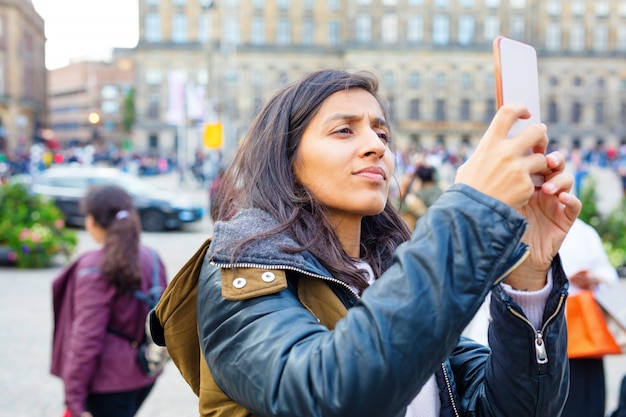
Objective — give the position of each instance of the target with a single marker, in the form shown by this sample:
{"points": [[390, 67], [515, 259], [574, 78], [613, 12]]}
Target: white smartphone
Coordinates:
{"points": [[517, 80]]}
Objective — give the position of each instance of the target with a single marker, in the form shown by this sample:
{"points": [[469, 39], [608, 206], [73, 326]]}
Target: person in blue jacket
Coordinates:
{"points": [[316, 300]]}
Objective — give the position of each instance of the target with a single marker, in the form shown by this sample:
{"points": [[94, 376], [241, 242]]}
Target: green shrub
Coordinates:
{"points": [[611, 227], [33, 228]]}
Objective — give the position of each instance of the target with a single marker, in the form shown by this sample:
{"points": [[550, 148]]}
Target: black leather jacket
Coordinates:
{"points": [[271, 355]]}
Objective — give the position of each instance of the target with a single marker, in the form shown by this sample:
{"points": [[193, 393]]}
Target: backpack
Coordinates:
{"points": [[174, 321], [151, 357]]}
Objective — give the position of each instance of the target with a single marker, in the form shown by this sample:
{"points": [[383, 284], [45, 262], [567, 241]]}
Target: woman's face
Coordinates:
{"points": [[344, 157]]}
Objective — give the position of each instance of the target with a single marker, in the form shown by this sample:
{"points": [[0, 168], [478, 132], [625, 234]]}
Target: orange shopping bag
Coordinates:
{"points": [[588, 335]]}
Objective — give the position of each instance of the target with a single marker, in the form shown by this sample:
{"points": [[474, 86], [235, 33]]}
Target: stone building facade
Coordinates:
{"points": [[22, 74], [433, 57]]}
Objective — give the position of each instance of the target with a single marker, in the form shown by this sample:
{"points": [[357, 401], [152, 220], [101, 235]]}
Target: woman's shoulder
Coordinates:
{"points": [[92, 258]]}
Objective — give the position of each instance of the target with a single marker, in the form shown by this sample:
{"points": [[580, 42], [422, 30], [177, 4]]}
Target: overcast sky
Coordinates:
{"points": [[86, 29]]}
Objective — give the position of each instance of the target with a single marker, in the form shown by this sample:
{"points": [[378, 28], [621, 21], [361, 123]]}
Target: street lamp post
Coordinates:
{"points": [[94, 119]]}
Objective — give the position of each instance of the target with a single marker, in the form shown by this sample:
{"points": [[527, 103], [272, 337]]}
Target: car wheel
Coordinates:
{"points": [[152, 221]]}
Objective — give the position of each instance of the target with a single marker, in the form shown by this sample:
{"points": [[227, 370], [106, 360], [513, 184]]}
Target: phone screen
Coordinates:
{"points": [[517, 79]]}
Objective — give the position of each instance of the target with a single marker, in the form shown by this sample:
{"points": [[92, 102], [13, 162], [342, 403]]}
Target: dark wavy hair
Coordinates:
{"points": [[113, 209], [261, 176]]}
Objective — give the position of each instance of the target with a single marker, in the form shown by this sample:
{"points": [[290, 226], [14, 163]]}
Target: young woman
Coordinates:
{"points": [[97, 312], [310, 304]]}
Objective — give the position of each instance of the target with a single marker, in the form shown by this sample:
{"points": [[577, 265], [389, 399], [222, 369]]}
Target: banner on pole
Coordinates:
{"points": [[212, 135]]}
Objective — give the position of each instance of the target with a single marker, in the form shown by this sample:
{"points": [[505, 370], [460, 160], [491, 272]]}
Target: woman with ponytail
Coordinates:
{"points": [[99, 320]]}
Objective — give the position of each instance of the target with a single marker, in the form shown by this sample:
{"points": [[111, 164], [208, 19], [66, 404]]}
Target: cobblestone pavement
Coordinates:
{"points": [[28, 390]]}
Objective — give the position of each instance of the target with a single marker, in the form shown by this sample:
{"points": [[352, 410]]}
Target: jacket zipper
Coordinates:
{"points": [[286, 267], [449, 389], [541, 354]]}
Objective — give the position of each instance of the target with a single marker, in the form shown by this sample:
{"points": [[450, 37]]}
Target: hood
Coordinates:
{"points": [[269, 250]]}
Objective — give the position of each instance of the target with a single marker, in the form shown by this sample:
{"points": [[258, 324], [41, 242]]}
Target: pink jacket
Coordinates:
{"points": [[88, 357]]}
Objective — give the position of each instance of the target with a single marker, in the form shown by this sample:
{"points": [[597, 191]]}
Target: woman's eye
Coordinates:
{"points": [[384, 136], [343, 130]]}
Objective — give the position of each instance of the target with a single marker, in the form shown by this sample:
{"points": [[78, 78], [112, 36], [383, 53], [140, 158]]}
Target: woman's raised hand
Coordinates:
{"points": [[501, 167]]}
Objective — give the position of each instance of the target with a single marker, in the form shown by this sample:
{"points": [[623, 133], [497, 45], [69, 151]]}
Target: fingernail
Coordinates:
{"points": [[552, 159], [550, 187]]}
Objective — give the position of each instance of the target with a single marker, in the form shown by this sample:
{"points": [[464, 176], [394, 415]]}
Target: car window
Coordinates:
{"points": [[70, 182]]}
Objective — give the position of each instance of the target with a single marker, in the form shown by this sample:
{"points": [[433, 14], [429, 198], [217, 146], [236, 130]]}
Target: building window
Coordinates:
{"points": [[622, 113], [553, 112], [414, 109], [363, 2], [602, 8], [179, 28], [283, 5], [203, 28], [553, 37], [109, 92], [231, 28], [553, 7], [577, 37], [440, 78], [577, 7], [517, 27], [283, 35], [154, 76], [178, 2], [153, 27], [492, 27], [441, 3], [390, 2], [621, 8], [621, 38], [466, 29], [391, 109], [553, 81], [363, 28], [466, 3], [466, 110], [390, 28], [389, 79], [333, 4], [492, 4], [599, 113], [307, 31], [309, 5], [466, 80], [415, 29], [577, 82], [441, 29], [258, 4], [258, 30], [282, 78], [518, 4], [153, 106], [440, 110], [414, 79], [416, 2], [490, 109], [576, 112], [152, 2], [2, 86], [334, 32], [600, 37]]}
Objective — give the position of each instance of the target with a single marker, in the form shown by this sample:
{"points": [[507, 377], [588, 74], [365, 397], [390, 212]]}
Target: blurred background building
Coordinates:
{"points": [[87, 103], [200, 61], [23, 84]]}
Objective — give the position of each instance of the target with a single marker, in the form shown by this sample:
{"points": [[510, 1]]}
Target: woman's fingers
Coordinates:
{"points": [[502, 122]]}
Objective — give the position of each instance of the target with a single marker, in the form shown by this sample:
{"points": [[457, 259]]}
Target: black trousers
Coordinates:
{"points": [[587, 390], [117, 404]]}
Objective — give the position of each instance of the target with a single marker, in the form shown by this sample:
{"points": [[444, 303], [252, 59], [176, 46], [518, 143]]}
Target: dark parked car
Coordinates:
{"points": [[158, 209]]}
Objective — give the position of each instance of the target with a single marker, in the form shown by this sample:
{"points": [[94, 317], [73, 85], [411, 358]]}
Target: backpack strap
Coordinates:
{"points": [[152, 296]]}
